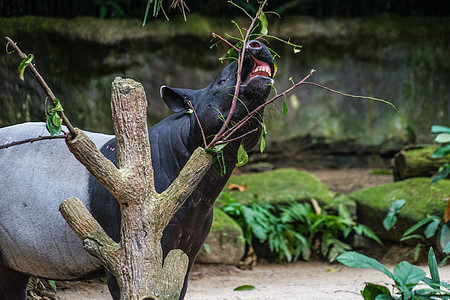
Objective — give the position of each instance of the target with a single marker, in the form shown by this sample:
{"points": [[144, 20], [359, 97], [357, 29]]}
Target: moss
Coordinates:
{"points": [[284, 185], [281, 185], [221, 222], [422, 198]]}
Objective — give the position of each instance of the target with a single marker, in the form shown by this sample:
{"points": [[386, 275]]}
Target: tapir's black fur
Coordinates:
{"points": [[172, 141]]}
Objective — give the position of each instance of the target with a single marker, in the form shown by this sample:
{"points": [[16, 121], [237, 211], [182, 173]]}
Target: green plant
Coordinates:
{"points": [[391, 217], [443, 137], [294, 230], [406, 279], [434, 227]]}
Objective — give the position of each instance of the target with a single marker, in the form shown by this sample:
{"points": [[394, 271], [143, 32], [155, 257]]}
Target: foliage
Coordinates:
{"points": [[406, 279], [38, 288], [53, 119], [294, 230], [432, 224], [391, 217], [443, 137]]}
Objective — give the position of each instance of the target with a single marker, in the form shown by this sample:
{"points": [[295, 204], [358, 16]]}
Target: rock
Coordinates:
{"points": [[284, 185], [225, 243], [417, 162], [422, 199]]}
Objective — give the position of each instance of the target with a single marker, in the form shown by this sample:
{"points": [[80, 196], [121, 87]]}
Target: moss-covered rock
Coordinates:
{"points": [[284, 185], [225, 243], [422, 199]]}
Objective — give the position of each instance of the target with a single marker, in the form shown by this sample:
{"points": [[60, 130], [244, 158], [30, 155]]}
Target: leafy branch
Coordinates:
{"points": [[258, 29], [55, 115]]}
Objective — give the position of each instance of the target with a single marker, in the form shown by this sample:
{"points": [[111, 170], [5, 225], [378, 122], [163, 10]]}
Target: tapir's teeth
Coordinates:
{"points": [[264, 69]]}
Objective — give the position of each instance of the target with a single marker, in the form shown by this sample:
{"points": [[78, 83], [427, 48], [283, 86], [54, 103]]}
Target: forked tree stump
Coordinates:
{"points": [[137, 260]]}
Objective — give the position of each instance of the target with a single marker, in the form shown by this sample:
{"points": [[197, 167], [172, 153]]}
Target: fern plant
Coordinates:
{"points": [[294, 230]]}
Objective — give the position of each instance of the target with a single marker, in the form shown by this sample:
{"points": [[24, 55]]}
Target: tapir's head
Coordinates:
{"points": [[214, 101]]}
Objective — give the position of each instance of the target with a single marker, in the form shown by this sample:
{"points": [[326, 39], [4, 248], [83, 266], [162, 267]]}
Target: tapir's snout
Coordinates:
{"points": [[258, 61]]}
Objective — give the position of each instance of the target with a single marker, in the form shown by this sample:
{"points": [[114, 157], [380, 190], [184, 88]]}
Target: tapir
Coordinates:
{"points": [[36, 177]]}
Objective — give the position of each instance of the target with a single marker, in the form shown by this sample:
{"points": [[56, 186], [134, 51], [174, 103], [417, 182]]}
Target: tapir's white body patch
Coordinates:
{"points": [[48, 247]]}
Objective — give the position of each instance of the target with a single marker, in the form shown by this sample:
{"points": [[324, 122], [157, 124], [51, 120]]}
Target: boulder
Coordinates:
{"points": [[225, 243], [422, 200]]}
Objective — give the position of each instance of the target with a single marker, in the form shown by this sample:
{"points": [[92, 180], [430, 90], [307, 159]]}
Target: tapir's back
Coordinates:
{"points": [[34, 179]]}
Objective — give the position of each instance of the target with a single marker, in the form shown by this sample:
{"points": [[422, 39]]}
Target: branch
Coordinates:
{"points": [[129, 111], [350, 95], [226, 41], [32, 140], [238, 79], [183, 186], [96, 240], [100, 167], [241, 122], [198, 122], [43, 84]]}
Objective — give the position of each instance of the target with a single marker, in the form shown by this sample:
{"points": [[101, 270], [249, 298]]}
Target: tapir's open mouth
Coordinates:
{"points": [[260, 68], [258, 64]]}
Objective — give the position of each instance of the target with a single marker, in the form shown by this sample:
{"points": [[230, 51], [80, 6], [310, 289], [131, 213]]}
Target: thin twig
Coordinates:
{"points": [[226, 41], [43, 84], [198, 122], [40, 138], [233, 129], [236, 138], [220, 134], [350, 95]]}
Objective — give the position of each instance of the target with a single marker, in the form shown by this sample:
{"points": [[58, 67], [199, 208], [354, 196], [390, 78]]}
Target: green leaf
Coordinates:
{"points": [[371, 291], [418, 225], [23, 65], [242, 156], [442, 138], [441, 151], [297, 50], [52, 284], [413, 236], [439, 129], [398, 204], [245, 287], [53, 128], [446, 248], [218, 159], [56, 120], [264, 23], [440, 176], [285, 108], [432, 264], [391, 217], [103, 11], [444, 239], [207, 247], [356, 260], [432, 228], [262, 144], [389, 221], [405, 274], [368, 232], [58, 106]]}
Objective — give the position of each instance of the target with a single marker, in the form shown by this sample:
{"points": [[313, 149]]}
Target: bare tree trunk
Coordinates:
{"points": [[137, 260]]}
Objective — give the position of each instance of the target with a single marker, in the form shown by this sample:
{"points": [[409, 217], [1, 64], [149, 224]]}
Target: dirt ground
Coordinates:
{"points": [[302, 280]]}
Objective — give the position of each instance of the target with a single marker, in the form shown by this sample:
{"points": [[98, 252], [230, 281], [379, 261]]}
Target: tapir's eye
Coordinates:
{"points": [[221, 81]]}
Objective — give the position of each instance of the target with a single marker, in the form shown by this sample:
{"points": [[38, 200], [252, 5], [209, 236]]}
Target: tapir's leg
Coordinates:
{"points": [[112, 286], [13, 285]]}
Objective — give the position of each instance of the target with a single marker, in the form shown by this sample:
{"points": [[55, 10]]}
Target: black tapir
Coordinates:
{"points": [[36, 177]]}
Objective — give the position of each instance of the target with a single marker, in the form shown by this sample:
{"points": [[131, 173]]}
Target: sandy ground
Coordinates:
{"points": [[302, 280]]}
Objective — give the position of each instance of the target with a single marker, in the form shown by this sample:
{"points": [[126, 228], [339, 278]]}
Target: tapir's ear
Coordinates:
{"points": [[176, 99]]}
